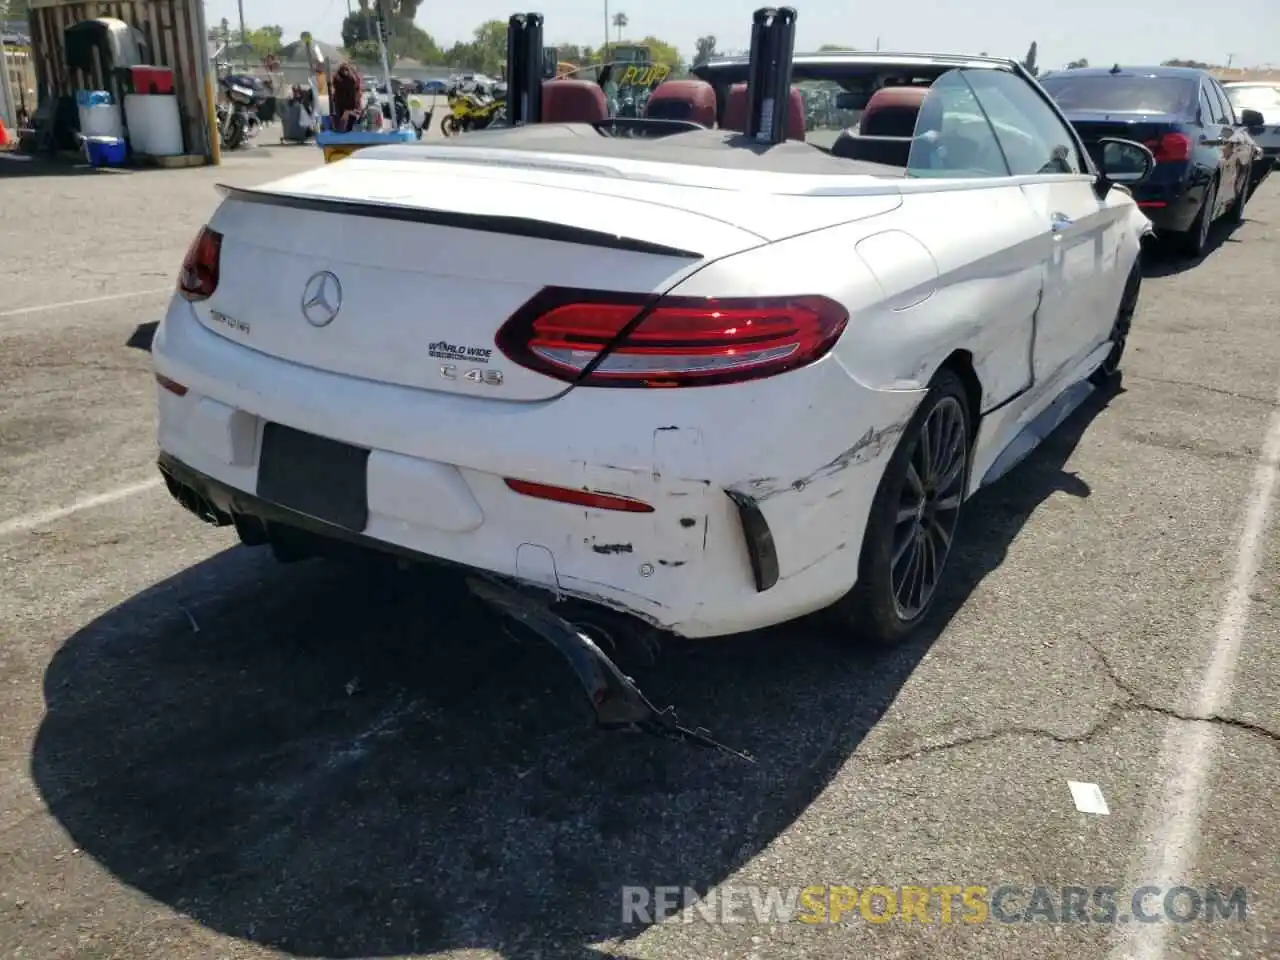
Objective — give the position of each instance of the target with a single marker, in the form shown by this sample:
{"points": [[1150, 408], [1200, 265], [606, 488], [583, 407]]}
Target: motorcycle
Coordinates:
{"points": [[237, 113], [472, 111], [626, 106]]}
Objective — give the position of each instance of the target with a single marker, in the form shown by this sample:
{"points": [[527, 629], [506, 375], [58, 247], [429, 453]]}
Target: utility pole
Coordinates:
{"points": [[604, 51], [1230, 57], [205, 78], [9, 111], [244, 38]]}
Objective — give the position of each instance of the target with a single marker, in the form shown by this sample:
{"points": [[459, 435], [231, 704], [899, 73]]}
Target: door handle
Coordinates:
{"points": [[1058, 222]]}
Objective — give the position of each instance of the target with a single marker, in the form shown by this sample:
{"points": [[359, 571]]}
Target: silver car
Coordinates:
{"points": [[1265, 98]]}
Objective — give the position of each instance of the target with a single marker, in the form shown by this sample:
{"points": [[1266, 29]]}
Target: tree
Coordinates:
{"points": [[662, 52], [706, 49], [1078, 64], [265, 41], [360, 38], [1030, 61], [1197, 64], [569, 53], [366, 52], [485, 53], [834, 47], [620, 21]]}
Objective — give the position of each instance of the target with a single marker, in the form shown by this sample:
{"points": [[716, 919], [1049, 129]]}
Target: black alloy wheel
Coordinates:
{"points": [[1120, 328], [912, 525]]}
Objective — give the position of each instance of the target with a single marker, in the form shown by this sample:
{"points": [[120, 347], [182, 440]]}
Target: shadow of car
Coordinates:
{"points": [[354, 764]]}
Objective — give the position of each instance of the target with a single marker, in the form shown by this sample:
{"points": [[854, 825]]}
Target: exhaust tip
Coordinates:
{"points": [[195, 502]]}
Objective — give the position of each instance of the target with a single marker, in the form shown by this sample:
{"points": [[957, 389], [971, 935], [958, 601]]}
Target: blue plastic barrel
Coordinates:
{"points": [[93, 98]]}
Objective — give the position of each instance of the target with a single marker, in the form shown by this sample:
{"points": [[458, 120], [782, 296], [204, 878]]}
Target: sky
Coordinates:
{"points": [[1103, 31]]}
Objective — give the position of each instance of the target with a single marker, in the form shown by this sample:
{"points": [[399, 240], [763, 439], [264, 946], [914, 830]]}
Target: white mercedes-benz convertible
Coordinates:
{"points": [[677, 366]]}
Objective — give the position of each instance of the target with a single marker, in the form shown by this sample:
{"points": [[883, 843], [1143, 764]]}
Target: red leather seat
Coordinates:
{"points": [[735, 112], [892, 112], [573, 101], [692, 100]]}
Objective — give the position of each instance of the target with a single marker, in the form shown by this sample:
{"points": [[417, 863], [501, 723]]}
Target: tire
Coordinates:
{"points": [[449, 126], [1110, 368], [1194, 241], [883, 607], [235, 134]]}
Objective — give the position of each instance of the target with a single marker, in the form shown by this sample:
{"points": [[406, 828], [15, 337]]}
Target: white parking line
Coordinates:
{"points": [[1188, 748], [33, 520], [23, 311]]}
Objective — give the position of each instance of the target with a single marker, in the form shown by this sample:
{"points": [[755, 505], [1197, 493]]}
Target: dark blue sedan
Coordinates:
{"points": [[1202, 148]]}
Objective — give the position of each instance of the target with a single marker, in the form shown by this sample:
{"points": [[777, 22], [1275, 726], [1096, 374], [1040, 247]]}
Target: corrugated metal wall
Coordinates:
{"points": [[172, 30]]}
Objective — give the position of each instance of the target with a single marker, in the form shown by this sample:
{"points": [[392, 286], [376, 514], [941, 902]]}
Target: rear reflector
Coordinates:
{"points": [[602, 339], [1170, 148], [198, 278], [173, 386], [579, 498]]}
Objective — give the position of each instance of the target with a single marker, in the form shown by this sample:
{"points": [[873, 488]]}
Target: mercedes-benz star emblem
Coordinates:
{"points": [[321, 299]]}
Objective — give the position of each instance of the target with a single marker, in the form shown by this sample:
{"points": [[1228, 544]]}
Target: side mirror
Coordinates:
{"points": [[1125, 161], [1252, 119]]}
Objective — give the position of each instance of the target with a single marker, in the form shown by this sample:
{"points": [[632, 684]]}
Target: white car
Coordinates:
{"points": [[710, 383], [1264, 98]]}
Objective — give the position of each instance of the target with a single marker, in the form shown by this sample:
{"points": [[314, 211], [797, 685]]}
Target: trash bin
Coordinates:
{"points": [[297, 123]]}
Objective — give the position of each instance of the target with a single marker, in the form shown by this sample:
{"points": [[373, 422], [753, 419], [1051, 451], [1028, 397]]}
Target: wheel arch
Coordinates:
{"points": [[960, 362]]}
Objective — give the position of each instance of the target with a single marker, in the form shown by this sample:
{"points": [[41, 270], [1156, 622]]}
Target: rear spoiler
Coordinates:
{"points": [[484, 223]]}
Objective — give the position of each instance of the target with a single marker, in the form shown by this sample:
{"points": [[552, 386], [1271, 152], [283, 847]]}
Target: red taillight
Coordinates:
{"points": [[199, 276], [579, 498], [592, 338], [1171, 148]]}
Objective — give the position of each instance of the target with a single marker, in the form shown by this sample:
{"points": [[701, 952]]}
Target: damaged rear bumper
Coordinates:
{"points": [[760, 491], [617, 703]]}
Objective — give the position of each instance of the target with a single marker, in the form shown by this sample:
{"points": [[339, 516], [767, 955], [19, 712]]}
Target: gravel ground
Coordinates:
{"points": [[204, 755]]}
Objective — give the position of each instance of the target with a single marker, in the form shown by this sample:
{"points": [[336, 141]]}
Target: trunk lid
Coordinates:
{"points": [[1093, 125], [403, 272]]}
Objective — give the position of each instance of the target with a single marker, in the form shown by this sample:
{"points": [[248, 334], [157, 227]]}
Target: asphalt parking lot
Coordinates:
{"points": [[205, 755]]}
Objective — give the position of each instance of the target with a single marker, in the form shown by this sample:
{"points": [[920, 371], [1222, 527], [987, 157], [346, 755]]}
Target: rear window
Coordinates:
{"points": [[1119, 94], [1266, 100]]}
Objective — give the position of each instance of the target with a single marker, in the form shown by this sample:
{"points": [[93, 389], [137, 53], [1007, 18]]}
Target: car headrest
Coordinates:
{"points": [[692, 100], [892, 112], [573, 101], [735, 112]]}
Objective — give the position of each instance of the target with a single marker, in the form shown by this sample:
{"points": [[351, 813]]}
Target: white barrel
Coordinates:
{"points": [[102, 120], [155, 126]]}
